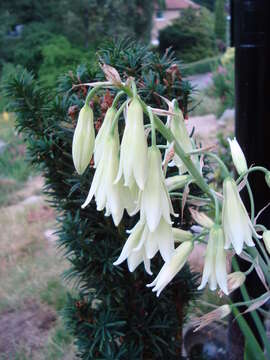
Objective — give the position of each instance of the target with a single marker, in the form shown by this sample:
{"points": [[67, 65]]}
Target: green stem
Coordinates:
{"points": [[91, 93], [216, 209], [190, 196], [153, 128], [260, 226], [117, 98], [220, 162], [255, 316], [256, 255], [255, 168], [249, 302], [250, 269], [254, 346], [117, 115], [134, 88], [251, 199], [266, 256]]}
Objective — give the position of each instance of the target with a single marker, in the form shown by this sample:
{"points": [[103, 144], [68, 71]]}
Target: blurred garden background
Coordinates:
{"points": [[50, 39]]}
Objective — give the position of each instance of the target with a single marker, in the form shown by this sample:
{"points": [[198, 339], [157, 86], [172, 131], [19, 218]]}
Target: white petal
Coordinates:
{"points": [[209, 263], [147, 264], [131, 243], [165, 240], [135, 259], [220, 265]]}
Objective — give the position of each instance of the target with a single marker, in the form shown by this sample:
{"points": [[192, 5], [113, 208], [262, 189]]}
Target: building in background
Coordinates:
{"points": [[163, 18]]}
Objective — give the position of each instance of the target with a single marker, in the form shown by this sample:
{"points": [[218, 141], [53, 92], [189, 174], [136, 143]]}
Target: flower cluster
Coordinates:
{"points": [[130, 176]]}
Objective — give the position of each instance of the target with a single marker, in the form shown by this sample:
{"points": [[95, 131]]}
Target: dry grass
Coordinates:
{"points": [[31, 267]]}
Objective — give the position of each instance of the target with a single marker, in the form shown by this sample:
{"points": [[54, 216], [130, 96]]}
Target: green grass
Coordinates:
{"points": [[201, 67], [30, 269], [54, 294], [204, 104], [14, 170]]}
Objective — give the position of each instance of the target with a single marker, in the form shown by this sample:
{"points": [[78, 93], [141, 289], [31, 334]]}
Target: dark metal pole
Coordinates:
{"points": [[252, 90], [251, 38]]}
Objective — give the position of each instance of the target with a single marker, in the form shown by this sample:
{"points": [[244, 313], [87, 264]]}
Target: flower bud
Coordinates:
{"points": [[238, 156], [177, 182], [180, 235], [111, 74], [266, 240], [267, 178], [83, 140], [235, 280], [214, 315], [201, 218]]}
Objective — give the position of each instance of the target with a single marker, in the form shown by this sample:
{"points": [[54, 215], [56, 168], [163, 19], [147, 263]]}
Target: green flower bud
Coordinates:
{"points": [[83, 140]]}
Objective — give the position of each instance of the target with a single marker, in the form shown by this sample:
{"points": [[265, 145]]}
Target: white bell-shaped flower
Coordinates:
{"points": [[83, 139], [142, 240], [133, 252], [170, 269], [133, 155], [179, 130], [214, 271], [103, 134], [108, 195], [238, 157], [155, 201], [237, 225]]}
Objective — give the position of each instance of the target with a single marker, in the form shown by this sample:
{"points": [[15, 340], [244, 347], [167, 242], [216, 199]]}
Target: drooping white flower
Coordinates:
{"points": [[133, 156], [142, 241], [132, 252], [170, 269], [237, 225], [103, 134], [179, 130], [238, 157], [214, 271], [108, 195], [83, 139], [155, 201]]}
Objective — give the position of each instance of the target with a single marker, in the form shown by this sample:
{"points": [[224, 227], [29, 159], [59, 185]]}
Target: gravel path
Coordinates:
{"points": [[201, 81]]}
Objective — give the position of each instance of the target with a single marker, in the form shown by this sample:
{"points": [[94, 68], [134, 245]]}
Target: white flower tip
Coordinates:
{"points": [[118, 262]]}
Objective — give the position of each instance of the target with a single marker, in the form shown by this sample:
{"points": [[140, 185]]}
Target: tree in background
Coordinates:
{"points": [[191, 35], [28, 27], [220, 21], [113, 315], [90, 21]]}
